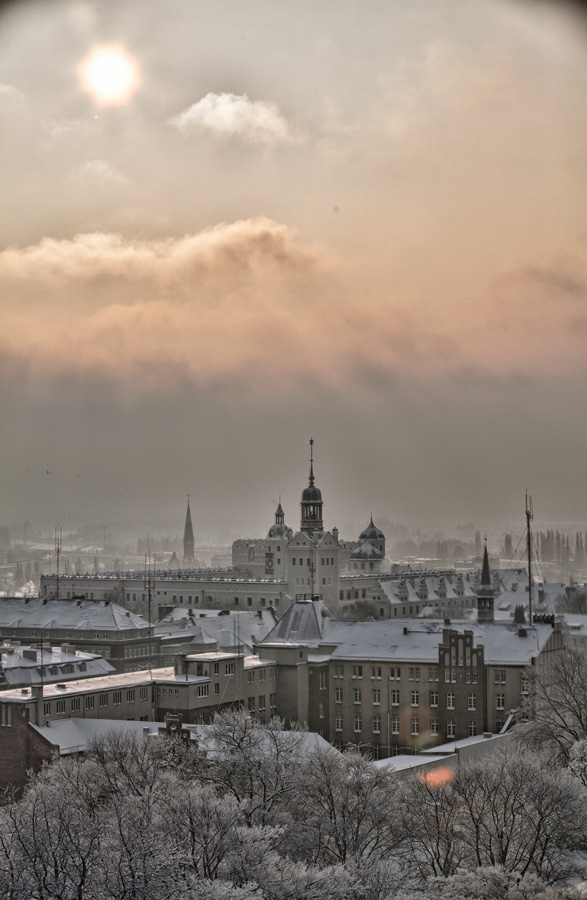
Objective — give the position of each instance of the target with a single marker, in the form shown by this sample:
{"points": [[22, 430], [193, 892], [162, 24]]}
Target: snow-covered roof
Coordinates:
{"points": [[74, 735], [22, 665], [406, 640], [75, 615]]}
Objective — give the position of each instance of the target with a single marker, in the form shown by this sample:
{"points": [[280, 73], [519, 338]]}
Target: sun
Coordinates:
{"points": [[109, 74]]}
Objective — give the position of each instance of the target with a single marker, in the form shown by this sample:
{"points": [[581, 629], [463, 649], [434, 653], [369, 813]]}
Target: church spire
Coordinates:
{"points": [[188, 537], [485, 592], [311, 462], [485, 575]]}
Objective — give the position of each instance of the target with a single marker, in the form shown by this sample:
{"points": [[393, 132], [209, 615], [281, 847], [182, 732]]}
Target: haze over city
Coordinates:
{"points": [[364, 223]]}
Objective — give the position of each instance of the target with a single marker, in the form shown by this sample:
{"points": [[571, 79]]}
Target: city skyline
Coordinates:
{"points": [[363, 226]]}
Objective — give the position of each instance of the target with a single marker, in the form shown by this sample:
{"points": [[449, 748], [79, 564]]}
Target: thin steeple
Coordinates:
{"points": [[485, 574], [188, 536], [311, 461]]}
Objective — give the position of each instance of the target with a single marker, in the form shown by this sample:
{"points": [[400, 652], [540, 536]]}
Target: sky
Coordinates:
{"points": [[360, 222]]}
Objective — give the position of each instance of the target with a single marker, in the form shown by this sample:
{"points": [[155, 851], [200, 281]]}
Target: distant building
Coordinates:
{"points": [[98, 627], [270, 572], [22, 666]]}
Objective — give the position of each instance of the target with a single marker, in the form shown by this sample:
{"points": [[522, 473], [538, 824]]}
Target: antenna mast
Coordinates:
{"points": [[149, 582], [529, 517], [58, 555]]}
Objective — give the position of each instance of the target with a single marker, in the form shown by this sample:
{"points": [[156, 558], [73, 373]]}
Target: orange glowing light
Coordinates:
{"points": [[437, 777], [109, 74]]}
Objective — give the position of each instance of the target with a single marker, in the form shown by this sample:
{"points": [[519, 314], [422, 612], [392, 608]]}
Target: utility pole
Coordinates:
{"points": [[58, 555], [529, 517]]}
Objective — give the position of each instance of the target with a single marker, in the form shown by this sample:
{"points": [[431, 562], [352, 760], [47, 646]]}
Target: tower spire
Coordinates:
{"points": [[485, 592], [311, 502], [188, 537]]}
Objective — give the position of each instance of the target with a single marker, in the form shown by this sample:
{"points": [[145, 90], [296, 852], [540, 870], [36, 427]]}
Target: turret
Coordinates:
{"points": [[485, 593], [311, 502]]}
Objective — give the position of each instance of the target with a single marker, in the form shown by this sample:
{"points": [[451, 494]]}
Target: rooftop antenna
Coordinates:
{"points": [[58, 555], [149, 584], [529, 517]]}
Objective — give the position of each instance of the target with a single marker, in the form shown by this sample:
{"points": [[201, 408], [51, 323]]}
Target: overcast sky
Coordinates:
{"points": [[360, 221]]}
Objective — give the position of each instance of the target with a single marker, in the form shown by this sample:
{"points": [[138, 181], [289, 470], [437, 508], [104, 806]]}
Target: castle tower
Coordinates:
{"points": [[485, 593], [280, 529], [311, 502], [188, 537]]}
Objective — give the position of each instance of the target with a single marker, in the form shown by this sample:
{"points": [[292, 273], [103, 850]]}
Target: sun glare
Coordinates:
{"points": [[109, 74]]}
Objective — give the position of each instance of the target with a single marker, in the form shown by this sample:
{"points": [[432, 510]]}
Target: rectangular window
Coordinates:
{"points": [[474, 674], [376, 672], [432, 673], [251, 704], [338, 722], [434, 725], [338, 670], [357, 696], [358, 723], [203, 690], [117, 697], [395, 724], [376, 696], [130, 696], [472, 701], [433, 699], [144, 693], [376, 724], [499, 676], [60, 706], [357, 672], [447, 676], [103, 700], [414, 673], [395, 698], [250, 677], [524, 684], [415, 698], [262, 674], [216, 668], [90, 701], [273, 700], [395, 673], [322, 681], [321, 711], [450, 700], [500, 701], [453, 676], [75, 704], [46, 709], [415, 725], [467, 676], [229, 668], [338, 695], [216, 689], [472, 728], [451, 728], [262, 703]]}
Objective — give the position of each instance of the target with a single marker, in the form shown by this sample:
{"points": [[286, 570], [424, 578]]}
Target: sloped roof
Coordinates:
{"points": [[75, 615], [302, 623], [410, 640]]}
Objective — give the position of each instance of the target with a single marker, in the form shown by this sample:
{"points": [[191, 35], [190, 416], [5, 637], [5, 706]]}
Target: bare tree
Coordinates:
{"points": [[556, 705], [343, 808]]}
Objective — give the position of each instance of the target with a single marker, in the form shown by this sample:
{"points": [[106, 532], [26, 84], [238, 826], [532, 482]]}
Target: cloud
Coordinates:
{"points": [[248, 305], [231, 115], [100, 171]]}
